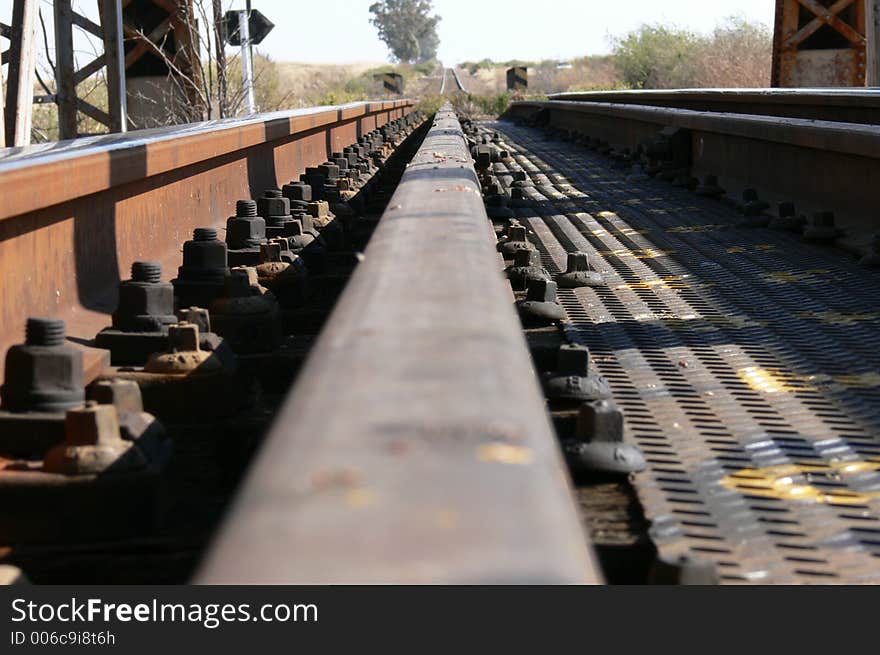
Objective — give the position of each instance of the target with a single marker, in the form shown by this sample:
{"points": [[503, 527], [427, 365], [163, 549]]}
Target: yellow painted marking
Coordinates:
{"points": [[689, 229], [767, 381], [761, 247], [837, 318], [775, 381], [859, 381], [794, 482], [628, 231], [502, 453], [812, 276], [647, 253]]}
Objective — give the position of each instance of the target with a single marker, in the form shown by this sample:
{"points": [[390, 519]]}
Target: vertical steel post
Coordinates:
{"points": [[114, 56], [247, 62], [872, 20]]}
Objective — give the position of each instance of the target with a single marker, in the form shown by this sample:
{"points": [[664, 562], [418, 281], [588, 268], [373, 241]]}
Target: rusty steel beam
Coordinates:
{"points": [[820, 44], [840, 105], [820, 165], [75, 215], [432, 460]]}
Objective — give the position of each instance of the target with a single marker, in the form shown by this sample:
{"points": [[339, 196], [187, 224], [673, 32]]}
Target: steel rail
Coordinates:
{"points": [[84, 210], [415, 447], [822, 165], [458, 82], [840, 105]]}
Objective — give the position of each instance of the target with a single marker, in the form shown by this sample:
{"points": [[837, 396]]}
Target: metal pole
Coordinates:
{"points": [[247, 63], [872, 25], [114, 56]]}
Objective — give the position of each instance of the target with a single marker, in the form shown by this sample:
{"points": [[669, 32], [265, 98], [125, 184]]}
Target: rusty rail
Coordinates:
{"points": [[839, 105], [76, 214], [820, 165], [415, 446]]}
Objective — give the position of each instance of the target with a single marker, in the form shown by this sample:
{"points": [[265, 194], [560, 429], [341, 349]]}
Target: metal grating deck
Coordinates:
{"points": [[747, 363]]}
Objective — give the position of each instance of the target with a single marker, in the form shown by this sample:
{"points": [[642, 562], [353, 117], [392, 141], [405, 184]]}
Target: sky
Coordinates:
{"points": [[339, 31], [497, 29]]}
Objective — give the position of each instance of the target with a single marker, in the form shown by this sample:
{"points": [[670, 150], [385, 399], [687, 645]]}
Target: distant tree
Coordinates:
{"points": [[407, 28]]}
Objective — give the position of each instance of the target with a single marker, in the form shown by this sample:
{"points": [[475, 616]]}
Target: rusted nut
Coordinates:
{"points": [[540, 306], [184, 355], [247, 315], [598, 446], [44, 374], [93, 485], [244, 233], [188, 383], [525, 268], [141, 320], [288, 281], [787, 218], [579, 273], [482, 156], [93, 444], [572, 379], [134, 423], [683, 570], [515, 241], [200, 279], [821, 228], [709, 188]]}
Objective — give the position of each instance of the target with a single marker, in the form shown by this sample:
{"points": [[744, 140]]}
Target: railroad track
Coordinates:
{"points": [[665, 389]]}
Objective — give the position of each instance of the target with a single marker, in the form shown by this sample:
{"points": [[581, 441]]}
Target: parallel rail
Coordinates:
{"points": [[839, 105], [434, 459], [82, 211], [820, 165]]}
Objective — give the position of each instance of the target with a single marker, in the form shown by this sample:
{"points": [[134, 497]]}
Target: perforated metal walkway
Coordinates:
{"points": [[746, 360]]}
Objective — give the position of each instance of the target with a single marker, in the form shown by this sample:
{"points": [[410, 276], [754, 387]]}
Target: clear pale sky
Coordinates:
{"points": [[498, 29], [339, 30]]}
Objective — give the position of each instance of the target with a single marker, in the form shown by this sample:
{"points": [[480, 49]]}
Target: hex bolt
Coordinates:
{"points": [[124, 395], [183, 337], [93, 444], [579, 273], [270, 252], [821, 228], [149, 272], [540, 306], [205, 234], [244, 233], [787, 218], [526, 267], [199, 316], [44, 374], [598, 446], [245, 208], [515, 240], [44, 332], [572, 378], [200, 278]]}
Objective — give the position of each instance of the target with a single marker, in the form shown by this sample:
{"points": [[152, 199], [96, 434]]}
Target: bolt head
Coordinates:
{"points": [[183, 337], [124, 395], [573, 359], [541, 291], [600, 420], [91, 425]]}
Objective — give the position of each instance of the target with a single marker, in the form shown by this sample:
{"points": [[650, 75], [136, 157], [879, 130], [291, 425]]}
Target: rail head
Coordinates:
{"points": [[845, 138], [415, 447], [39, 176]]}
